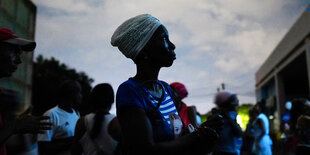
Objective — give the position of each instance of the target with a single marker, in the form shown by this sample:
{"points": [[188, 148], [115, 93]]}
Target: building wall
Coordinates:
{"points": [[20, 17], [287, 68]]}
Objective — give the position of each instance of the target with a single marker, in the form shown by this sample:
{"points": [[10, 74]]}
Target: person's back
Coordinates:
{"points": [[98, 132], [103, 142], [230, 142]]}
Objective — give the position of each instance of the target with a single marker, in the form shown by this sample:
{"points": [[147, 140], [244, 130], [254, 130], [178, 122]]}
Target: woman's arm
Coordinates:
{"points": [[138, 136], [262, 127], [80, 129], [115, 129]]}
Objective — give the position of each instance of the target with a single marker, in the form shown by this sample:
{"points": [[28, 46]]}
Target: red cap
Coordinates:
{"points": [[180, 89], [7, 36]]}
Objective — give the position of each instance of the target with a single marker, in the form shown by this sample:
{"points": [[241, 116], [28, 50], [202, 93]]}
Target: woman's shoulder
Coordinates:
{"points": [[129, 94], [262, 116], [128, 84]]}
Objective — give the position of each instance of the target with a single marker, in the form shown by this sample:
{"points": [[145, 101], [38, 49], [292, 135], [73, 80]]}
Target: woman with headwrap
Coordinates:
{"points": [[148, 118]]}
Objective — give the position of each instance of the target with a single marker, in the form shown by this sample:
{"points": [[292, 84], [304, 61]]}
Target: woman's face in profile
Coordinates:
{"points": [[159, 49]]}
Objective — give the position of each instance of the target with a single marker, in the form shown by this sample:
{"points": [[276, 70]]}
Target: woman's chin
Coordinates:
{"points": [[168, 64]]}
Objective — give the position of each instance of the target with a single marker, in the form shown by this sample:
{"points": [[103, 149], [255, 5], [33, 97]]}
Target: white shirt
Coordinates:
{"points": [[104, 141], [63, 124]]}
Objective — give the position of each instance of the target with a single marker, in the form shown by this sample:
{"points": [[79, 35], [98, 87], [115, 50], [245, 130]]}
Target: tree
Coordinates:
{"points": [[48, 75]]}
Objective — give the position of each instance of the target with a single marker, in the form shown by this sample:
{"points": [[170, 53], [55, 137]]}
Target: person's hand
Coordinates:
{"points": [[215, 122], [32, 124], [208, 132], [210, 129]]}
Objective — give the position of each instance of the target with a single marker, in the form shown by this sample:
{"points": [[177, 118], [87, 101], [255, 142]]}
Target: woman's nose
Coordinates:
{"points": [[171, 46]]}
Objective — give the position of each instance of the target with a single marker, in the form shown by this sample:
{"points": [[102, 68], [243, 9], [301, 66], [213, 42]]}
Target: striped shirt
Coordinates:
{"points": [[131, 93], [166, 107]]}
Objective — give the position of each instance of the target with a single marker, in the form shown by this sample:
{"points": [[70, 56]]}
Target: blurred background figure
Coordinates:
{"points": [[248, 136], [262, 141], [300, 106], [59, 139], [187, 113], [303, 133], [231, 135], [99, 131]]}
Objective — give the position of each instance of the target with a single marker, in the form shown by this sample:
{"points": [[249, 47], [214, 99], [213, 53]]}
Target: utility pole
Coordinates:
{"points": [[223, 86]]}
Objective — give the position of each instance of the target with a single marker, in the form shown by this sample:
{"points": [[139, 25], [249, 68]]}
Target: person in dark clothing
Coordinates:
{"points": [[231, 136]]}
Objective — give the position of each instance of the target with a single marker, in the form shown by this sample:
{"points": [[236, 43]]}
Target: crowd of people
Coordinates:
{"points": [[151, 118]]}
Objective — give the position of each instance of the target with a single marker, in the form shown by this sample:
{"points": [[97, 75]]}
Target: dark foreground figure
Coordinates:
{"points": [[11, 47]]}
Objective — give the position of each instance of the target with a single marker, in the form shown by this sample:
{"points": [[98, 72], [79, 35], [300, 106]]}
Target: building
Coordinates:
{"points": [[20, 17], [285, 74]]}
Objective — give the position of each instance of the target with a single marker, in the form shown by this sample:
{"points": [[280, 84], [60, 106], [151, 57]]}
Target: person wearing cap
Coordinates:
{"points": [[148, 118], [187, 113], [11, 47], [231, 135]]}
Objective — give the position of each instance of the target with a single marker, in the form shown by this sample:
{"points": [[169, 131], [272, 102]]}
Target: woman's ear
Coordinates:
{"points": [[141, 56]]}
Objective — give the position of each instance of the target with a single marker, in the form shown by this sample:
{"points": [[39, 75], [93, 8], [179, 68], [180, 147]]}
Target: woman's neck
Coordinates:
{"points": [[145, 72]]}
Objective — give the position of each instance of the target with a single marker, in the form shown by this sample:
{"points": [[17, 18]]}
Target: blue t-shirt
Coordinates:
{"points": [[131, 93]]}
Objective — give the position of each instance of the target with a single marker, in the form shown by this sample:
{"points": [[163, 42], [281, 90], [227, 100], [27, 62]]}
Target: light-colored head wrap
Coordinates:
{"points": [[131, 36]]}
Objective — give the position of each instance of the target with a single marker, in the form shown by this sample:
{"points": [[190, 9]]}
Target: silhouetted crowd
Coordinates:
{"points": [[151, 118]]}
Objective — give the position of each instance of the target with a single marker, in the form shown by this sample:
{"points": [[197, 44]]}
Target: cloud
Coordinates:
{"points": [[217, 40]]}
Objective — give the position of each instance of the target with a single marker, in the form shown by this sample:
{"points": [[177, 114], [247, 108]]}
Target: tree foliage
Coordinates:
{"points": [[48, 75]]}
